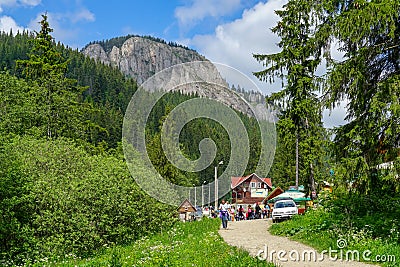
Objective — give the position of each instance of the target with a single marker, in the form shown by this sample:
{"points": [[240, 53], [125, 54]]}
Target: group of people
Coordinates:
{"points": [[227, 212]]}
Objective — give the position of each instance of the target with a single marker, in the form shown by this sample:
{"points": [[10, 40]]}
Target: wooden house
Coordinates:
{"points": [[249, 189], [185, 209]]}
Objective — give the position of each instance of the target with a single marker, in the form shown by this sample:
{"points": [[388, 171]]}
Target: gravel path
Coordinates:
{"points": [[254, 237]]}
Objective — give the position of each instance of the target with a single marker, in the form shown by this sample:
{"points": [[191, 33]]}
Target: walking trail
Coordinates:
{"points": [[253, 236]]}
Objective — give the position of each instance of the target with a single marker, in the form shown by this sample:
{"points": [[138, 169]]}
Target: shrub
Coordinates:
{"points": [[365, 222], [57, 200]]}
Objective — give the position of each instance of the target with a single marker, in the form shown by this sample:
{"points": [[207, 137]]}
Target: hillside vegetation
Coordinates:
{"points": [[359, 159], [58, 199], [65, 189], [185, 244]]}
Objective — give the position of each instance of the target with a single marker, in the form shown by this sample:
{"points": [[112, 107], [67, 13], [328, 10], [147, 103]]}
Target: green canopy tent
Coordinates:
{"points": [[296, 195]]}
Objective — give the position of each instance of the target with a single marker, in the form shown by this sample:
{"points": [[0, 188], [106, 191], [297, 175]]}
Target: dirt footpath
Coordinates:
{"points": [[254, 237]]}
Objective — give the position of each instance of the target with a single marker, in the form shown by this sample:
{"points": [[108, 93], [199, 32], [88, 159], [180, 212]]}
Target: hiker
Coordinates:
{"points": [[223, 209], [240, 213], [257, 214], [250, 213], [232, 212], [267, 210]]}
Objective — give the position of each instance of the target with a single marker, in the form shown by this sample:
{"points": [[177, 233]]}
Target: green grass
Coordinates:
{"points": [[187, 244], [322, 230]]}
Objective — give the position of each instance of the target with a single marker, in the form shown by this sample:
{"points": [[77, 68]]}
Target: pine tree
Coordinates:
{"points": [[300, 108], [44, 59], [47, 68], [368, 77]]}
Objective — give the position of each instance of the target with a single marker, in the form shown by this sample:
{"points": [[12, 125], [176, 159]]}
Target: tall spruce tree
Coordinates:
{"points": [[367, 77], [44, 59], [300, 129], [368, 33], [59, 96]]}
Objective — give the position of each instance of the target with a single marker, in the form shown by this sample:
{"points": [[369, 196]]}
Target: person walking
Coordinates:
{"points": [[250, 213], [233, 213], [267, 210], [223, 209], [257, 209], [240, 213]]}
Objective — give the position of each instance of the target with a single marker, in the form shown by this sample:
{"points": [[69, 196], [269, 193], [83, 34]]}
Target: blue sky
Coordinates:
{"points": [[224, 31], [77, 22]]}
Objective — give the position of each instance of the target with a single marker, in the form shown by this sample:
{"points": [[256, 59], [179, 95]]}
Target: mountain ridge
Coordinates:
{"points": [[141, 57], [118, 42]]}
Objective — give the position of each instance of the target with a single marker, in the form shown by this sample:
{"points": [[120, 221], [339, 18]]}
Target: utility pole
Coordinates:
{"points": [[195, 200], [297, 161], [209, 194], [202, 194], [216, 184]]}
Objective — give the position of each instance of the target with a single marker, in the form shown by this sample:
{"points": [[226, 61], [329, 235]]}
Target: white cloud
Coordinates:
{"points": [[8, 23], [30, 2], [199, 9], [60, 33], [62, 24], [11, 3], [6, 3], [235, 43], [81, 15], [335, 117]]}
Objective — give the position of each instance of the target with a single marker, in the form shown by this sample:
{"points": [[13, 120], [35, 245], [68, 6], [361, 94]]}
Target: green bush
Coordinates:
{"points": [[365, 222], [57, 200]]}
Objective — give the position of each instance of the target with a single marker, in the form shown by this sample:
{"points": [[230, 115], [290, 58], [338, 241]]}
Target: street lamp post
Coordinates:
{"points": [[195, 200], [216, 184], [202, 194], [209, 194]]}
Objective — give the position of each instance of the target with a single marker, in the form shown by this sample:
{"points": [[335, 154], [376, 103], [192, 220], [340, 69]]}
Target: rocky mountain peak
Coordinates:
{"points": [[140, 57]]}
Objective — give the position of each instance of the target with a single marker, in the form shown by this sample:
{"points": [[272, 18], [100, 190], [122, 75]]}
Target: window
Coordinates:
{"points": [[253, 185], [259, 185]]}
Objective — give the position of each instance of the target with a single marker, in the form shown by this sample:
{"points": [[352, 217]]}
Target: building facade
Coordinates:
{"points": [[249, 189]]}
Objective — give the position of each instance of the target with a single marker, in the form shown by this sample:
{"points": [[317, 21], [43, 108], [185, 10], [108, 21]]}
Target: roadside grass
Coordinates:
{"points": [[186, 244], [323, 231]]}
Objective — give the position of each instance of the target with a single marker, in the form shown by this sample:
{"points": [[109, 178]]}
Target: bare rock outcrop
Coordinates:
{"points": [[141, 58]]}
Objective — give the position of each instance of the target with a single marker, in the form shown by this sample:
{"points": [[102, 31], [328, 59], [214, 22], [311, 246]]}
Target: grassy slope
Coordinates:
{"points": [[322, 230], [187, 244]]}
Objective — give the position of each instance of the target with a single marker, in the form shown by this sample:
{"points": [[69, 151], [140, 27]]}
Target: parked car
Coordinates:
{"points": [[284, 209], [206, 212], [197, 215]]}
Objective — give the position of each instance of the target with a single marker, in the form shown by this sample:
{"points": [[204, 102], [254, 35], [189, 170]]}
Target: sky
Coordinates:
{"points": [[224, 31]]}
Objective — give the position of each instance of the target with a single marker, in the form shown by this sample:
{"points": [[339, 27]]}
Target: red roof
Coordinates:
{"points": [[277, 191], [236, 181]]}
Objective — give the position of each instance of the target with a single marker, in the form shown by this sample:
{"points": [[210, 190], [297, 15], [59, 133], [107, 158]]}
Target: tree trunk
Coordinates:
{"points": [[297, 160], [311, 178]]}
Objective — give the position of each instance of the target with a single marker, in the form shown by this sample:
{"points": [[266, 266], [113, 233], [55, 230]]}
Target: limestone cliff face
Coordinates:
{"points": [[141, 58]]}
